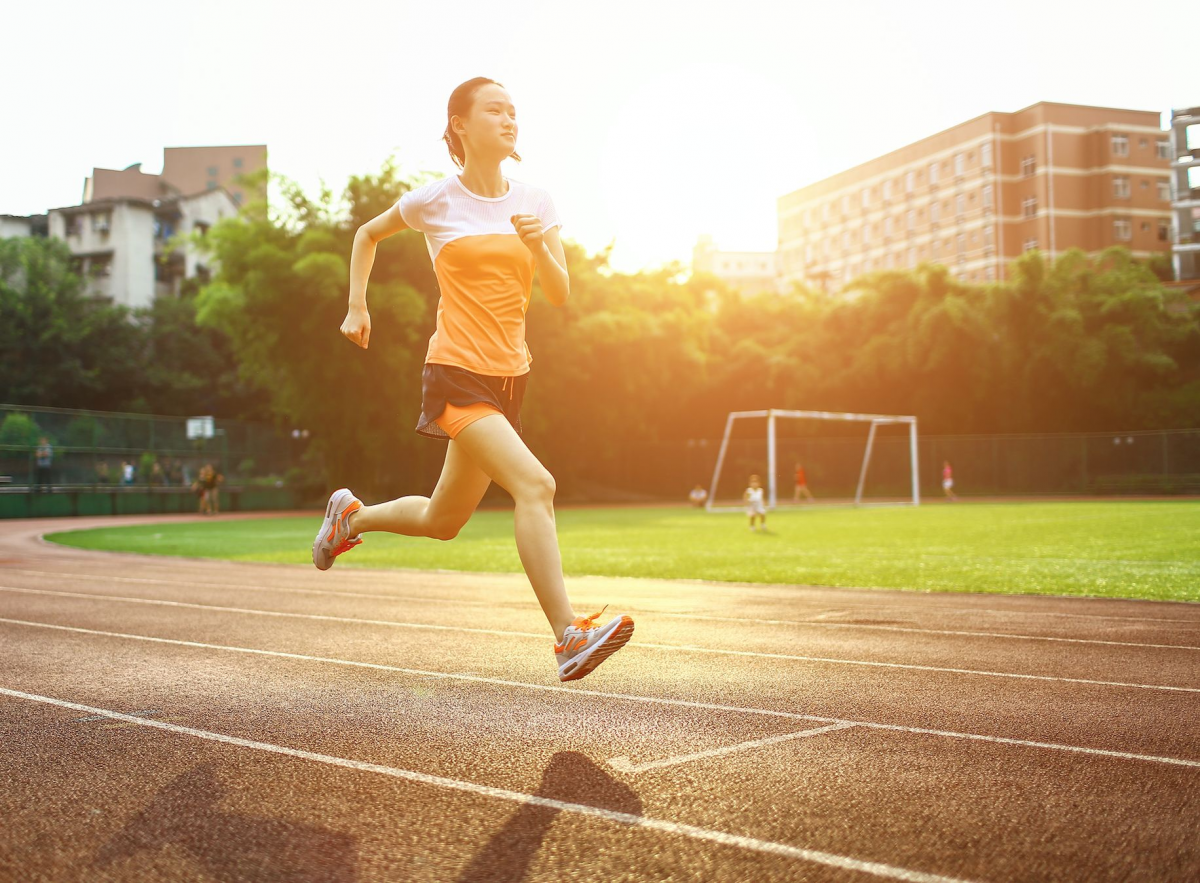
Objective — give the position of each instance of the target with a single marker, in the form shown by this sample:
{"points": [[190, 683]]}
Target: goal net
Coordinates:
{"points": [[737, 459]]}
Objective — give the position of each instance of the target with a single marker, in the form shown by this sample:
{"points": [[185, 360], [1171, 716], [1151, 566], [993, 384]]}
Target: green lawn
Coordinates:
{"points": [[1117, 549]]}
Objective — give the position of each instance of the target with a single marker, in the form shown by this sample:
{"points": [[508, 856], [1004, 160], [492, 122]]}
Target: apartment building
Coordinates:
{"points": [[185, 170], [750, 272], [121, 243], [1185, 193], [975, 196]]}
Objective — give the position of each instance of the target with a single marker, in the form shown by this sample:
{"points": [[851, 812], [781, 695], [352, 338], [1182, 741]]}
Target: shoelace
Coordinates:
{"points": [[346, 546], [589, 622]]}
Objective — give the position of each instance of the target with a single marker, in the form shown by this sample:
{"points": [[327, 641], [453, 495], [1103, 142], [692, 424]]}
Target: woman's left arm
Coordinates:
{"points": [[549, 256]]}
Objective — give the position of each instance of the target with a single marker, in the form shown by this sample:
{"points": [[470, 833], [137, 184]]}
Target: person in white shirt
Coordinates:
{"points": [[755, 505]]}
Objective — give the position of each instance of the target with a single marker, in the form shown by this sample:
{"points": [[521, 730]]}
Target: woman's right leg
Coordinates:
{"points": [[460, 487]]}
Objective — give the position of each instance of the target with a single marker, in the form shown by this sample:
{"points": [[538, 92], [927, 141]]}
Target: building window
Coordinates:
{"points": [[1122, 230], [909, 179], [825, 212], [887, 190], [989, 273], [988, 232], [1164, 231], [1120, 145], [1164, 149], [933, 212], [237, 197], [212, 185], [887, 226], [1120, 187], [1143, 184], [959, 164], [237, 162], [866, 235], [985, 154], [1145, 226], [912, 257], [846, 241], [1029, 207], [845, 204], [1164, 191], [933, 249], [212, 171], [987, 196], [911, 219], [101, 221], [1028, 166], [1029, 245], [960, 205], [933, 173], [961, 241], [866, 197]]}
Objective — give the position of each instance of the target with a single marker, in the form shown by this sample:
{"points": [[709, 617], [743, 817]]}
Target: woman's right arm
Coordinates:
{"points": [[357, 325]]}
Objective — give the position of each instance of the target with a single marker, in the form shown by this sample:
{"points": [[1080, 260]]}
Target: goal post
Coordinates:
{"points": [[772, 414]]}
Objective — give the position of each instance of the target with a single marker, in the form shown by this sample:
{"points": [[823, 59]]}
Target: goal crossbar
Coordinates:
{"points": [[876, 420]]}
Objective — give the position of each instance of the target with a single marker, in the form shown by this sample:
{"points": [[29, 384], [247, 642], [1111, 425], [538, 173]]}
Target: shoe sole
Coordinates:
{"points": [[322, 547], [599, 652]]}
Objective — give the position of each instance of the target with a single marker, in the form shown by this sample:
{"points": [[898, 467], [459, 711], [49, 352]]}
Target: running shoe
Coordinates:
{"points": [[334, 536], [585, 645]]}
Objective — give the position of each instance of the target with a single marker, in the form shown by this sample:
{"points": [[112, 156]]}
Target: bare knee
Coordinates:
{"points": [[444, 528], [537, 488]]}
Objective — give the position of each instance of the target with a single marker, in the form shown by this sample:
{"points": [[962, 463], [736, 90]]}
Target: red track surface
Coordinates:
{"points": [[410, 726]]}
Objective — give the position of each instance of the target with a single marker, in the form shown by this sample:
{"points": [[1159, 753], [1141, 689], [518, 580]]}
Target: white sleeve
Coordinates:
{"points": [[548, 213], [411, 207]]}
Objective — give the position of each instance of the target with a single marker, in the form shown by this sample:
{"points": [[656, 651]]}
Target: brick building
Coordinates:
{"points": [[1051, 177]]}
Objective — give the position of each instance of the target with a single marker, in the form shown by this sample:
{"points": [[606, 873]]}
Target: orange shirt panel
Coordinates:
{"points": [[486, 282]]}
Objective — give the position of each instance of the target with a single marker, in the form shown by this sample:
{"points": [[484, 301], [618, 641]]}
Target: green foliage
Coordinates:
{"points": [[86, 432], [20, 430]]}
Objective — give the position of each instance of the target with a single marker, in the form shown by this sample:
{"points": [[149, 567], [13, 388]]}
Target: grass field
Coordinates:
{"points": [[1116, 549]]}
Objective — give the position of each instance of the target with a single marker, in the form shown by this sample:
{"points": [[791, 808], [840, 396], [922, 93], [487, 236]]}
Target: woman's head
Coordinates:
{"points": [[481, 119]]}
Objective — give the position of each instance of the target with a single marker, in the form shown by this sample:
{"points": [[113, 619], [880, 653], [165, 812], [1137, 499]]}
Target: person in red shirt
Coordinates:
{"points": [[801, 486], [948, 481]]}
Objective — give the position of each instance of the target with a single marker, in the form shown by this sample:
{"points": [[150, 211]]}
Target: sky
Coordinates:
{"points": [[649, 123]]}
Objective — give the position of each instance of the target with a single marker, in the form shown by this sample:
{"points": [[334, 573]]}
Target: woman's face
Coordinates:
{"points": [[491, 127]]}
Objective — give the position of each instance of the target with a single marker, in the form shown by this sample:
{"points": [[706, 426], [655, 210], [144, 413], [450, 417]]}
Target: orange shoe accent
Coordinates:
{"points": [[337, 522], [345, 547]]}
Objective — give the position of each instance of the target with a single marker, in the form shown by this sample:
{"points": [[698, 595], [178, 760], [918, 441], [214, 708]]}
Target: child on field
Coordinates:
{"points": [[755, 506]]}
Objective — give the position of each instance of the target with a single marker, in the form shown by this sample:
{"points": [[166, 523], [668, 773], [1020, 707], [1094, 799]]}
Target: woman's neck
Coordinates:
{"points": [[483, 181]]}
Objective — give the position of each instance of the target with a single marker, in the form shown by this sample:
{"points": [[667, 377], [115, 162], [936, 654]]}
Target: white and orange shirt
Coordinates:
{"points": [[483, 269]]}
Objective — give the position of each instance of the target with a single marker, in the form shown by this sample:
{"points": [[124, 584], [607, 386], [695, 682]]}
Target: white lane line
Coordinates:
{"points": [[873, 609], [842, 862], [626, 697], [623, 763], [687, 648], [290, 590]]}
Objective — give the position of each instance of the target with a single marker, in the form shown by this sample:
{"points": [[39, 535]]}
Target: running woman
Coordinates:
{"points": [[948, 481], [801, 485], [487, 235]]}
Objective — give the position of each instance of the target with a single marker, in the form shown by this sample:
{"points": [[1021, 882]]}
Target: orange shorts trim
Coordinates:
{"points": [[456, 418]]}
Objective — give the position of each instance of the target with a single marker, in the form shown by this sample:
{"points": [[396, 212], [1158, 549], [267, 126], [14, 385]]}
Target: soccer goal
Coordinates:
{"points": [[773, 415]]}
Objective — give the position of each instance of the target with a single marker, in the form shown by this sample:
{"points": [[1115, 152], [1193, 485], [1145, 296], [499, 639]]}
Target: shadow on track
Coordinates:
{"points": [[572, 778], [186, 814]]}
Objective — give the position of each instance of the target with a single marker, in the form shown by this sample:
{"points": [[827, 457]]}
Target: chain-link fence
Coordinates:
{"points": [[1142, 462], [46, 448]]}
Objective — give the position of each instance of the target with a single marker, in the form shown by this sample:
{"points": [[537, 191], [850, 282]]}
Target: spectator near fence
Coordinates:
{"points": [[126, 472], [43, 458], [102, 474]]}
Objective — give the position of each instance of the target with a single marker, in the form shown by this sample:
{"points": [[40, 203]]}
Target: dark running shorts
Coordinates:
{"points": [[442, 384]]}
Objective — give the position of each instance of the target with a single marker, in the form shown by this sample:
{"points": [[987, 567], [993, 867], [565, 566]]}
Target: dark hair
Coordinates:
{"points": [[460, 103]]}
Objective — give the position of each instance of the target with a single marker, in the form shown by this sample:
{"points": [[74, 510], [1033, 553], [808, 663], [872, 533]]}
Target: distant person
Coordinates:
{"points": [[127, 472], [755, 506], [102, 474], [948, 481], [157, 477], [698, 496], [200, 488], [212, 484], [43, 458], [801, 486], [175, 473]]}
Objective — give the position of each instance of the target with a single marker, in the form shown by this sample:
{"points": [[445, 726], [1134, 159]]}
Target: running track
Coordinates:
{"points": [[176, 719]]}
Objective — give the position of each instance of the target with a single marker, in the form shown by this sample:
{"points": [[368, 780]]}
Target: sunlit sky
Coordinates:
{"points": [[649, 122]]}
